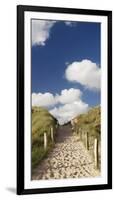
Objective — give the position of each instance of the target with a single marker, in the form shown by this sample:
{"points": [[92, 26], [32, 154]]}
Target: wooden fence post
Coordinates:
{"points": [[96, 153], [52, 134], [86, 140], [45, 140], [56, 126], [80, 132], [77, 131]]}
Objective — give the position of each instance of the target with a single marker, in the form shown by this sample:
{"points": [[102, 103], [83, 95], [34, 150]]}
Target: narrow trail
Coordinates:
{"points": [[68, 159]]}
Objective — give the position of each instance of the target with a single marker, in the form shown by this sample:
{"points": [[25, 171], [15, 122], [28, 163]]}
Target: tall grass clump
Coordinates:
{"points": [[42, 121]]}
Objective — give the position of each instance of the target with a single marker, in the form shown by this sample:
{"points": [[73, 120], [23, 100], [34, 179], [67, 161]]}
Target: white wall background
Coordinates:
{"points": [[8, 98]]}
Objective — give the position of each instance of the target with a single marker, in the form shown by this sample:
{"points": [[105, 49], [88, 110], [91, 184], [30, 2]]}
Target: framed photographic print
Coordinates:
{"points": [[64, 99]]}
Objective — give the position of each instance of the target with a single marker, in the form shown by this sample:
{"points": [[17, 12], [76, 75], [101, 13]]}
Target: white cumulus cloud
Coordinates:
{"points": [[70, 23], [64, 106], [84, 72], [41, 31], [39, 99], [65, 113], [69, 96]]}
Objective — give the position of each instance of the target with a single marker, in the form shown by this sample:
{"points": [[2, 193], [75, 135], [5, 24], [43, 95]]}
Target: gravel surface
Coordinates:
{"points": [[68, 159]]}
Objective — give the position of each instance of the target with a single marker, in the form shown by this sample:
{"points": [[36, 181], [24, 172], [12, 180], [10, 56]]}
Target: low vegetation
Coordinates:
{"points": [[42, 121], [90, 122]]}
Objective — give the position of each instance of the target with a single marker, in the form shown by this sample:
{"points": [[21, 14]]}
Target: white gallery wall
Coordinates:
{"points": [[8, 98]]}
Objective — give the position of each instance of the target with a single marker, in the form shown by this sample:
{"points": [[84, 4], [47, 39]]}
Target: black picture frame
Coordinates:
{"points": [[20, 99]]}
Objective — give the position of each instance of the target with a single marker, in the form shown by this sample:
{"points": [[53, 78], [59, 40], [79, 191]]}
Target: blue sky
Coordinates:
{"points": [[60, 52]]}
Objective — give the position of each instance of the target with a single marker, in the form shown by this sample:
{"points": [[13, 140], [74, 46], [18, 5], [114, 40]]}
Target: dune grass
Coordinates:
{"points": [[91, 122], [42, 121]]}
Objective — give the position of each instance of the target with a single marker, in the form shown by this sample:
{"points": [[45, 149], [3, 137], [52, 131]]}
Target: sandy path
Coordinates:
{"points": [[68, 159]]}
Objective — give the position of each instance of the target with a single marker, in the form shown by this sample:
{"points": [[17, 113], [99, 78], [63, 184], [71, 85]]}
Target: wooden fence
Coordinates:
{"points": [[92, 144], [47, 138]]}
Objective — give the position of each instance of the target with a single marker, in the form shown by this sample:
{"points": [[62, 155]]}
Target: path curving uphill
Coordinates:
{"points": [[68, 159]]}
